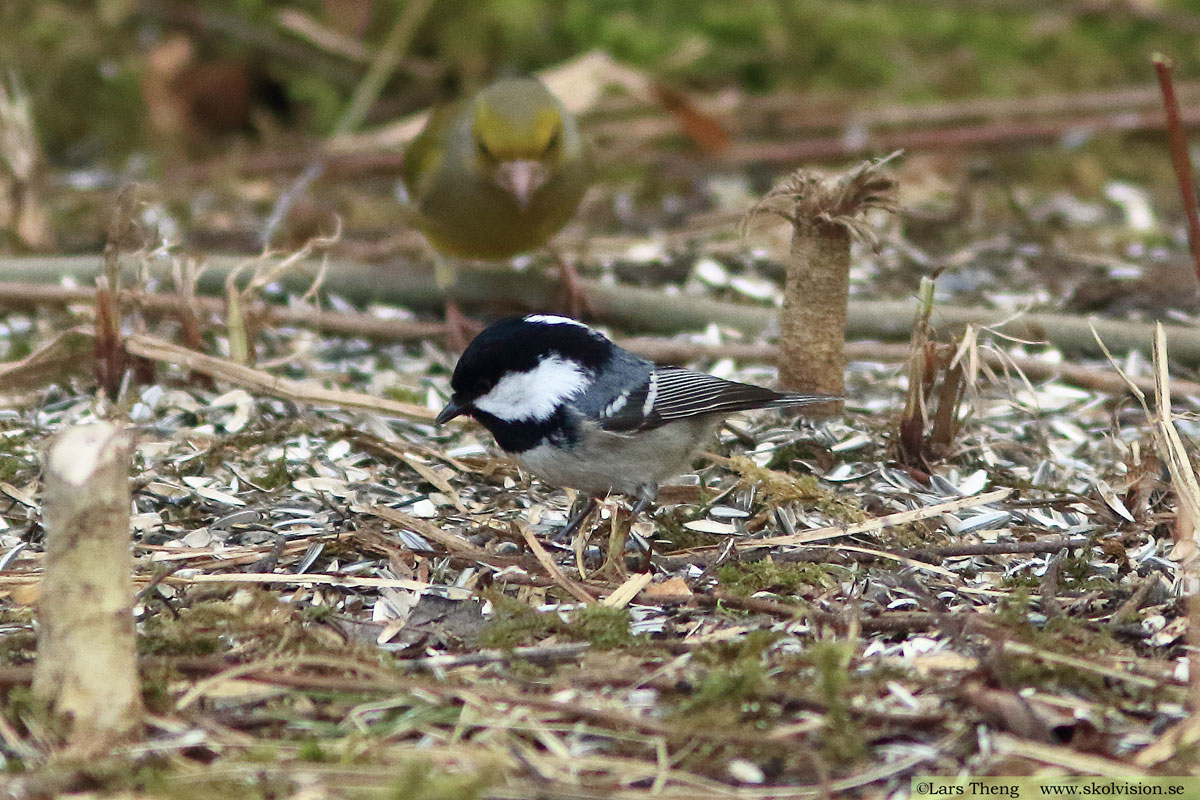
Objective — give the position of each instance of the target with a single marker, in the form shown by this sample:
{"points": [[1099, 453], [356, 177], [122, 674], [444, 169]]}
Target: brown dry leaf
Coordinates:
{"points": [[673, 587], [705, 130], [578, 84], [1012, 712], [68, 354]]}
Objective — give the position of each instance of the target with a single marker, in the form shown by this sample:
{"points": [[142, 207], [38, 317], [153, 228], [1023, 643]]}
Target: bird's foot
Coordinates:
{"points": [[576, 521], [614, 561], [459, 329], [572, 297], [646, 494]]}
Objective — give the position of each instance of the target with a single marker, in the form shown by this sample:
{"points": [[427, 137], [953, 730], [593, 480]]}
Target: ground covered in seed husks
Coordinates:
{"points": [[335, 601]]}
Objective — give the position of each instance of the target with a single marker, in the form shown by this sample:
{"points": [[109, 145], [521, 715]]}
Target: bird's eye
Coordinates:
{"points": [[555, 138], [482, 387], [482, 147]]}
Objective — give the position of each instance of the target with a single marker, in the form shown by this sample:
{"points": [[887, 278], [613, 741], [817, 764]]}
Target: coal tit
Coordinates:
{"points": [[578, 411]]}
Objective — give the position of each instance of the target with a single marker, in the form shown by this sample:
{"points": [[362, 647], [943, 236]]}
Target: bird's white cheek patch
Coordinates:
{"points": [[534, 395]]}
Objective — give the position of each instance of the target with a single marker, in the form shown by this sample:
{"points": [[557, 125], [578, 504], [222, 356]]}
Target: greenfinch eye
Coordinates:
{"points": [[482, 147], [554, 141]]}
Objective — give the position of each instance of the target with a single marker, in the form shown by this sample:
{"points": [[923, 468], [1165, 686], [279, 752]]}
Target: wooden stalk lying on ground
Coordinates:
{"points": [[86, 660], [633, 308], [825, 212]]}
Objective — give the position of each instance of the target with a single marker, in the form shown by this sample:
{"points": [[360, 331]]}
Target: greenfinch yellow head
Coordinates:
{"points": [[497, 174]]}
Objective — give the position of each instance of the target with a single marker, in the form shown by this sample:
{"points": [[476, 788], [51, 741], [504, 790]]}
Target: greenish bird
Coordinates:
{"points": [[496, 175]]}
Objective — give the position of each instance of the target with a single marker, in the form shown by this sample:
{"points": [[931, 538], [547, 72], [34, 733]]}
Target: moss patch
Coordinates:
{"points": [[516, 625], [770, 576]]}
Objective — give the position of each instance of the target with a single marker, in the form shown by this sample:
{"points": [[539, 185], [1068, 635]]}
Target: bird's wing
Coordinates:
{"points": [[672, 393], [425, 153]]}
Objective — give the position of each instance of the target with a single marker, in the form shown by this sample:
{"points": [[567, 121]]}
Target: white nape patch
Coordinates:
{"points": [[554, 319], [651, 394], [536, 394]]}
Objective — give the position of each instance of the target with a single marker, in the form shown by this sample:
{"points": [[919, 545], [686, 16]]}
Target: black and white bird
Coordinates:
{"points": [[578, 411]]}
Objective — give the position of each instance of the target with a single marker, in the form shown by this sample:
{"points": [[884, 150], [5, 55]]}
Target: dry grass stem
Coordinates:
{"points": [[223, 369], [552, 568]]}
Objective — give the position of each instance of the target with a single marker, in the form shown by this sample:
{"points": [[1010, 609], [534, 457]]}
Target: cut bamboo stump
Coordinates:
{"points": [[826, 211], [86, 659], [812, 323]]}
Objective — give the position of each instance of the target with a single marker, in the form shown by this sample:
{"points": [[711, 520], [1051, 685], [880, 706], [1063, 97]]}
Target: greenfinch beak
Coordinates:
{"points": [[521, 178]]}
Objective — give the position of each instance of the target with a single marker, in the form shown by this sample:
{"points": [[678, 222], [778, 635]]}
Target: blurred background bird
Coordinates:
{"points": [[494, 176]]}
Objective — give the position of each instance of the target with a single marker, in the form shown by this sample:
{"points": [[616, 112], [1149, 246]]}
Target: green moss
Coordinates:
{"points": [[745, 579], [404, 395], [782, 487], [19, 346], [516, 625], [670, 526], [278, 473], [840, 741], [156, 687], [205, 627], [606, 628], [18, 460], [22, 707], [421, 781], [728, 687], [321, 613], [1023, 579], [311, 751], [1061, 635], [751, 646], [731, 689], [18, 647], [169, 637], [801, 450]]}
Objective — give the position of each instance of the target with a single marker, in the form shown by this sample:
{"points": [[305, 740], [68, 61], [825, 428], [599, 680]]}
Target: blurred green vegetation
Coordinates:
{"points": [[84, 63]]}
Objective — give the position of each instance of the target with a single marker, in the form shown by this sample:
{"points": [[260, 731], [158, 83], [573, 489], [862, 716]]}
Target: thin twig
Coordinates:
{"points": [[1131, 606], [298, 391], [381, 69], [1181, 159], [560, 577], [877, 524], [26, 294]]}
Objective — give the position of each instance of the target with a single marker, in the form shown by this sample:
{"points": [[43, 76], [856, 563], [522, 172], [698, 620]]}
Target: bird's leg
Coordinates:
{"points": [[574, 299], [445, 276], [456, 327], [646, 496], [574, 523], [614, 562]]}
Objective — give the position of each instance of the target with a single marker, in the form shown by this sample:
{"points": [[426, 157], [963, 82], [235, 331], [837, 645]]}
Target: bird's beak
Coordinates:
{"points": [[448, 413], [521, 178]]}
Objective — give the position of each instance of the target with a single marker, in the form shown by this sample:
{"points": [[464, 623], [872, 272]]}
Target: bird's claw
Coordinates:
{"points": [[573, 298], [459, 329]]}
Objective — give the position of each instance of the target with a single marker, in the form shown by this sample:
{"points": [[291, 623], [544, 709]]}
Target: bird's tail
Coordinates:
{"points": [[795, 400]]}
